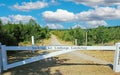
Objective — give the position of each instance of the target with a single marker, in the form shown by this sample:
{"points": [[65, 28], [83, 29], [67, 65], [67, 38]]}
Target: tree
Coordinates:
{"points": [[22, 32]]}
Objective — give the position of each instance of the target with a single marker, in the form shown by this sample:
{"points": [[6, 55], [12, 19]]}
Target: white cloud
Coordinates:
{"points": [[82, 26], [76, 26], [2, 4], [58, 16], [5, 20], [22, 18], [17, 18], [94, 17], [55, 26], [54, 2], [90, 24], [100, 13], [94, 24], [27, 6], [94, 3]]}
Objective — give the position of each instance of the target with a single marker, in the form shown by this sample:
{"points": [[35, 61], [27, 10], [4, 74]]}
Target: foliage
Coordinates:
{"points": [[12, 34], [100, 35]]}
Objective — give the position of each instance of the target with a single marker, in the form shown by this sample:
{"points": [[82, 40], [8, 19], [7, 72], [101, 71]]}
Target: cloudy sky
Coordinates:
{"points": [[62, 14]]}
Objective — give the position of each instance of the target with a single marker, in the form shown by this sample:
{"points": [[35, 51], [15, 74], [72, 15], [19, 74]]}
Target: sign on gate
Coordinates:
{"points": [[66, 48]]}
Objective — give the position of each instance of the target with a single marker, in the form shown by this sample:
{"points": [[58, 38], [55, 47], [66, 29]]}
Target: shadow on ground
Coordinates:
{"points": [[42, 67], [37, 68]]}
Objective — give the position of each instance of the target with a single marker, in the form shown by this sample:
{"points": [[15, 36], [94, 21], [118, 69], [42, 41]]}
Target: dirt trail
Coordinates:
{"points": [[54, 41]]}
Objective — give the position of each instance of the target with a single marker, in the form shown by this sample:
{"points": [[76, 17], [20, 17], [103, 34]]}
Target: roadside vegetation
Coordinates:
{"points": [[18, 34], [13, 34], [101, 35]]}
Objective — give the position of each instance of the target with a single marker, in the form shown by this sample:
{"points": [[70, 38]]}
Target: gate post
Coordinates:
{"points": [[76, 42], [1, 65], [116, 65], [33, 43], [32, 40]]}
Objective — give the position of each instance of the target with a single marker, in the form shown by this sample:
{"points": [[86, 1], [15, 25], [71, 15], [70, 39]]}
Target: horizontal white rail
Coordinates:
{"points": [[60, 47], [25, 48], [80, 47]]}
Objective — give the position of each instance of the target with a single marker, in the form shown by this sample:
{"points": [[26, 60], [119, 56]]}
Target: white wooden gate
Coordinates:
{"points": [[60, 50]]}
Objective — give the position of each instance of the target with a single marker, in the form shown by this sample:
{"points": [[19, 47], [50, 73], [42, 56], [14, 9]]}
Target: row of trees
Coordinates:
{"points": [[100, 35], [12, 34]]}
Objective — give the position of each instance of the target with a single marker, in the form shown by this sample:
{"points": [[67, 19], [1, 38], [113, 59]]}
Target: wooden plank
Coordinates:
{"points": [[60, 47], [18, 47], [0, 59], [25, 48], [116, 66], [80, 47], [4, 57]]}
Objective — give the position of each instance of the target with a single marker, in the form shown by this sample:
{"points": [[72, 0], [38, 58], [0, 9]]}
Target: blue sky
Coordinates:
{"points": [[62, 14]]}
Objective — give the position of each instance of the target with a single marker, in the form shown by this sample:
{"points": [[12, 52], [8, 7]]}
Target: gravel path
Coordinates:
{"points": [[54, 41], [89, 58]]}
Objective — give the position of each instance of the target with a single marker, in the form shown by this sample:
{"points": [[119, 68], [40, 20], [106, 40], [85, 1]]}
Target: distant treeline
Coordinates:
{"points": [[12, 34], [100, 35]]}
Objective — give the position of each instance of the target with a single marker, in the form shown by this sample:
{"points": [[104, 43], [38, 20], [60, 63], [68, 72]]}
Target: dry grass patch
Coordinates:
{"points": [[104, 55], [39, 43]]}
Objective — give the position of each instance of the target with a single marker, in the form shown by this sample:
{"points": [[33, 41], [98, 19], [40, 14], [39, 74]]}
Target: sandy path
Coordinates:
{"points": [[54, 41]]}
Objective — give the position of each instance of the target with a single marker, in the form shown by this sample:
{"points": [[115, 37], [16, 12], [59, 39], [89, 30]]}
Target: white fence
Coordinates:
{"points": [[61, 50], [116, 66]]}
